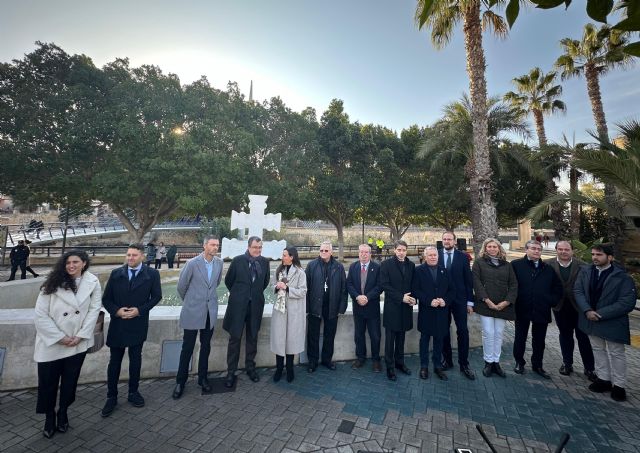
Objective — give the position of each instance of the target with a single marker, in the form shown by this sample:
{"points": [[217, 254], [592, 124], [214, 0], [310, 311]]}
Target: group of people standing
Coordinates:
{"points": [[591, 302]]}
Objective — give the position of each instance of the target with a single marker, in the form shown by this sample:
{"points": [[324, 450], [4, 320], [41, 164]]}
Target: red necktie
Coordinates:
{"points": [[363, 278]]}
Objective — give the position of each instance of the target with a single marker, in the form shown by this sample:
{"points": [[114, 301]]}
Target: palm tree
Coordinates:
{"points": [[537, 95], [598, 52], [617, 165], [441, 17]]}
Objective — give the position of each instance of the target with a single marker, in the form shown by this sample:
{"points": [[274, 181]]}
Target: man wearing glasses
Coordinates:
{"points": [[539, 290], [326, 298]]}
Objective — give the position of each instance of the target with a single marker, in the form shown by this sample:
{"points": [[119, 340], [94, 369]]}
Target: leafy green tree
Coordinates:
{"points": [[442, 17], [338, 185]]}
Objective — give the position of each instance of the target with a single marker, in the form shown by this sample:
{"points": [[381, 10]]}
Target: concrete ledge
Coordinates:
{"points": [[17, 336]]}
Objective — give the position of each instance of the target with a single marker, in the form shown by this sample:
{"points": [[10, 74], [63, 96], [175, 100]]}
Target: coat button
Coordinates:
{"points": [[77, 312], [65, 313]]}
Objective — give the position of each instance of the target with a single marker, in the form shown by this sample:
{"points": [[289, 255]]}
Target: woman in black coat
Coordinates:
{"points": [[496, 289]]}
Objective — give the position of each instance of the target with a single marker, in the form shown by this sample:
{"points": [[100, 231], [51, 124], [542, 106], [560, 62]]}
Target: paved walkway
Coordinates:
{"points": [[519, 413]]}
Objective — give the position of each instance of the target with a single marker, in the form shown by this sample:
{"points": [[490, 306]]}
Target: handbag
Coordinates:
{"points": [[98, 335]]}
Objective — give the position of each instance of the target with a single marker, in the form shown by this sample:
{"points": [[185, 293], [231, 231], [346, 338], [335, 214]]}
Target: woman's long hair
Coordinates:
{"points": [[293, 253], [59, 278], [502, 254]]}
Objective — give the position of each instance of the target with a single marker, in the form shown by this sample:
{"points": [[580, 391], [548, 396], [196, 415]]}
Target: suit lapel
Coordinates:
{"points": [[202, 268], [85, 288], [68, 296], [140, 277]]}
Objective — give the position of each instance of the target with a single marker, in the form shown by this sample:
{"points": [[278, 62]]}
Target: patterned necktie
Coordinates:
{"points": [[448, 263], [363, 278]]}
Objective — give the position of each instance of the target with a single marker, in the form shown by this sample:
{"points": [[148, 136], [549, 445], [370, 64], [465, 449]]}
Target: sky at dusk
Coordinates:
{"points": [[368, 53]]}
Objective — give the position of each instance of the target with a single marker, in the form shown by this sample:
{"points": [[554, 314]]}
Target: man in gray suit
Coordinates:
{"points": [[197, 286]]}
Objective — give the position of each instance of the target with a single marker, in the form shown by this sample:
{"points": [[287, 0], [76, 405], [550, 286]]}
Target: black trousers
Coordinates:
{"points": [[567, 322], [360, 325], [313, 338], [170, 262], [63, 373], [251, 347], [436, 356], [538, 334], [188, 343], [14, 268], [459, 313], [393, 348], [115, 364]]}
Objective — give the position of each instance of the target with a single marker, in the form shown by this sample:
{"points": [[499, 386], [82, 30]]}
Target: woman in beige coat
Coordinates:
{"points": [[288, 320], [65, 316]]}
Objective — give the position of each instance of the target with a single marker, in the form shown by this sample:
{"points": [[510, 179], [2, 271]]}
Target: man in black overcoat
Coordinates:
{"points": [[363, 285], [539, 290], [131, 292], [396, 276], [326, 299], [246, 280]]}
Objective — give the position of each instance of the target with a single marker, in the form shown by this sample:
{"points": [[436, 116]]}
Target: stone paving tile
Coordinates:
{"points": [[518, 414]]}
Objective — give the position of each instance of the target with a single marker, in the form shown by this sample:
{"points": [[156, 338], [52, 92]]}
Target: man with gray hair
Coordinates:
{"points": [[326, 299], [197, 287], [539, 290]]}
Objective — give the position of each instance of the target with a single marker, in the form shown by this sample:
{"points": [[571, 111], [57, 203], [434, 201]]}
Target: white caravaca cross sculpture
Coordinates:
{"points": [[257, 222]]}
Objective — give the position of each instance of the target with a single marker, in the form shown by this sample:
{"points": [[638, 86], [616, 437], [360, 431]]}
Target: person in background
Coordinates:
{"points": [[161, 254], [172, 251], [65, 316]]}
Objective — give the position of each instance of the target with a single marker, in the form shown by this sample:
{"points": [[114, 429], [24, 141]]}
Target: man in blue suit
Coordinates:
{"points": [[457, 265], [363, 285]]}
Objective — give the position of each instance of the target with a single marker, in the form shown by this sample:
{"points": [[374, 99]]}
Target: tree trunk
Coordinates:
{"points": [[574, 224], [538, 119], [483, 210], [340, 228], [614, 226]]}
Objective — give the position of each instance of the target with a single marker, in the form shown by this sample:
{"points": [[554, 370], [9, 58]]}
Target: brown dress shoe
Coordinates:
{"points": [[357, 364]]}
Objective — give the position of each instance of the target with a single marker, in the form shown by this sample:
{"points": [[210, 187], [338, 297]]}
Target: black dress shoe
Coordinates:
{"points": [[519, 369], [290, 374], [109, 406], [591, 375], [447, 365], [402, 367], [63, 421], [618, 393], [600, 386], [487, 371], [136, 399], [277, 375], [565, 370], [253, 375], [377, 366], [329, 365], [391, 375], [424, 373], [357, 364], [468, 373], [205, 384], [49, 426], [440, 373], [177, 391], [230, 380], [541, 372], [496, 368], [312, 367]]}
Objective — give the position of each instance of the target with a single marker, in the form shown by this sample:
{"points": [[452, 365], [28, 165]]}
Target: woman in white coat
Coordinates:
{"points": [[65, 316], [288, 320]]}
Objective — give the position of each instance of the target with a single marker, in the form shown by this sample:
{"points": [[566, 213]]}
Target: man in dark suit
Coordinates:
{"points": [[434, 291], [131, 292], [457, 265], [246, 280], [363, 285], [567, 268], [396, 276], [197, 288], [326, 300], [539, 290]]}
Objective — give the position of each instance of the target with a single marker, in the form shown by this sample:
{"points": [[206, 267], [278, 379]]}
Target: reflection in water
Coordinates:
{"points": [[170, 295]]}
